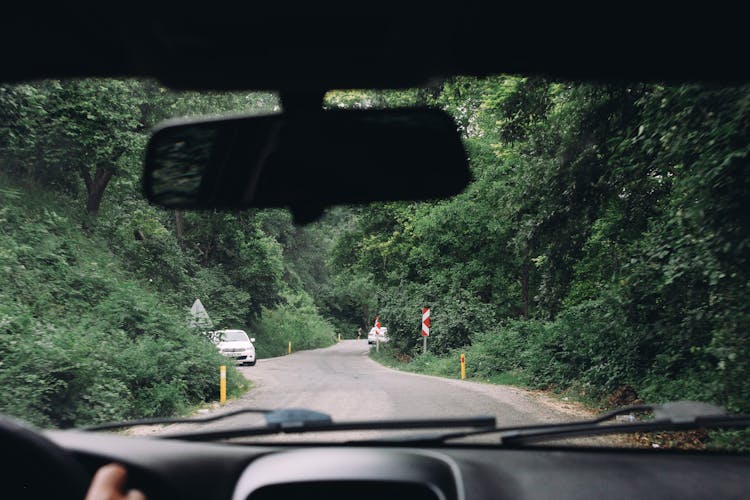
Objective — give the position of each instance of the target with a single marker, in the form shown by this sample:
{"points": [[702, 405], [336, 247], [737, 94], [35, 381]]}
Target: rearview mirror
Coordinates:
{"points": [[252, 339], [306, 161]]}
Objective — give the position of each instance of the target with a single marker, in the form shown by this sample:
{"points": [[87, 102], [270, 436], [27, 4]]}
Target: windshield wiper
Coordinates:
{"points": [[294, 420], [307, 426], [680, 415], [674, 416], [167, 420]]}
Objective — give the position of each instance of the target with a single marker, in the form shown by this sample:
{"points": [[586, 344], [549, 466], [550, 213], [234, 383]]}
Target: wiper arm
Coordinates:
{"points": [[516, 438], [291, 420], [298, 427], [274, 418], [156, 421], [680, 415]]}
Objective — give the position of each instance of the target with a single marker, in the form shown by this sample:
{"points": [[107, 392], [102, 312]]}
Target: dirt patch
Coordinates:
{"points": [[624, 395], [403, 358], [686, 440], [564, 404]]}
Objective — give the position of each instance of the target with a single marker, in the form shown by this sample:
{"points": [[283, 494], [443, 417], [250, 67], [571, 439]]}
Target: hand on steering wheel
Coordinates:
{"points": [[109, 484]]}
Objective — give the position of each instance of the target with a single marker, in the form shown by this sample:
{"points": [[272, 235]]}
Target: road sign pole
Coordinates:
{"points": [[424, 344]]}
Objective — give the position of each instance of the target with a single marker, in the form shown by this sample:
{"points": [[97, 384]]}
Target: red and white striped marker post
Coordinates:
{"points": [[425, 327], [377, 333]]}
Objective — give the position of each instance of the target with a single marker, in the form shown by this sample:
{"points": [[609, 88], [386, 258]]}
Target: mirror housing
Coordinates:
{"points": [[305, 161]]}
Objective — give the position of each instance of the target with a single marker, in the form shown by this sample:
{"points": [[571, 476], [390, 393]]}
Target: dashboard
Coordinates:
{"points": [[179, 469]]}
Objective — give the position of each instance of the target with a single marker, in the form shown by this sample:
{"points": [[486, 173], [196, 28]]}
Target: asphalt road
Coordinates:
{"points": [[345, 383]]}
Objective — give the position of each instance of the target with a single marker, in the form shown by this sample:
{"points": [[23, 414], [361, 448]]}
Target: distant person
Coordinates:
{"points": [[359, 333]]}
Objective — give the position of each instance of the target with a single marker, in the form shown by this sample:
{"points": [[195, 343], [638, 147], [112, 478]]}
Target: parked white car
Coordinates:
{"points": [[236, 344], [381, 337]]}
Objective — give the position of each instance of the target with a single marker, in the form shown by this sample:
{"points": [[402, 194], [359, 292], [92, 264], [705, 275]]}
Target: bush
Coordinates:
{"points": [[296, 321], [456, 317], [80, 343], [72, 375], [432, 364], [590, 343], [499, 351], [427, 363]]}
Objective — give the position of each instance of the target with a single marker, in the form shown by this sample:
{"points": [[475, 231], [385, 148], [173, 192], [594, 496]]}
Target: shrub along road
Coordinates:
{"points": [[345, 383]]}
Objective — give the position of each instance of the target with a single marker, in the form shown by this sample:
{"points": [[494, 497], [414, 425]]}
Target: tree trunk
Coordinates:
{"points": [[96, 186], [179, 225], [525, 283], [207, 251]]}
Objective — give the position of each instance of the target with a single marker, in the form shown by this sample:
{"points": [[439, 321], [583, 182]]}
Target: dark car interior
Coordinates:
{"points": [[249, 49]]}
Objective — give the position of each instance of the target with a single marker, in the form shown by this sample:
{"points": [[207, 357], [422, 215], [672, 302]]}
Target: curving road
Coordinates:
{"points": [[345, 383]]}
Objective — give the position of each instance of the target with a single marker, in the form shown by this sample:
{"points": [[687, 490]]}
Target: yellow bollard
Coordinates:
{"points": [[223, 384], [463, 366], [289, 351]]}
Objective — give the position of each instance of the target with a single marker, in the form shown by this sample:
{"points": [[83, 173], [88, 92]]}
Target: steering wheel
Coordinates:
{"points": [[35, 467]]}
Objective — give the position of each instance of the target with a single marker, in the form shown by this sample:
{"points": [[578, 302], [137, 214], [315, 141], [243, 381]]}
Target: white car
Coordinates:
{"points": [[382, 337], [236, 344]]}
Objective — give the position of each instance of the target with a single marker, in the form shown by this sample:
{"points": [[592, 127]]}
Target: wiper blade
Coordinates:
{"points": [[516, 438], [286, 417], [156, 421], [680, 415], [330, 426], [291, 420]]}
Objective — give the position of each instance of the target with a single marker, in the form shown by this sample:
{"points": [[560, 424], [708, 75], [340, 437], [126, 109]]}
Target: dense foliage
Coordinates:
{"points": [[604, 241], [95, 284], [81, 340]]}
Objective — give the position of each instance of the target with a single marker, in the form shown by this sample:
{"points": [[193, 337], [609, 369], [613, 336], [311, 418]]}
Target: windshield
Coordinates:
{"points": [[598, 259], [234, 336]]}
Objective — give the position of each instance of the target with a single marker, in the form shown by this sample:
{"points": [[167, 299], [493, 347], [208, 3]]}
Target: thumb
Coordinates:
{"points": [[109, 483], [110, 477]]}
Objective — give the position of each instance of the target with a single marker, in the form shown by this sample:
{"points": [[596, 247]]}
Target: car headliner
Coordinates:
{"points": [[250, 48]]}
